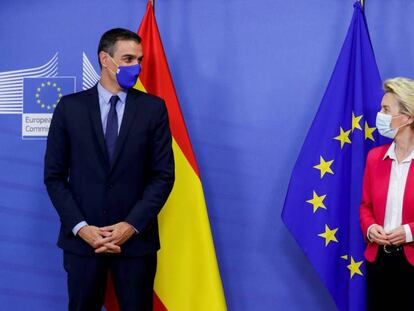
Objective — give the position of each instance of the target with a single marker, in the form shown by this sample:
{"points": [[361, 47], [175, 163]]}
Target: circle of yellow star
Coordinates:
{"points": [[369, 131], [48, 106], [317, 201], [343, 137], [329, 235], [355, 122], [324, 167], [354, 267]]}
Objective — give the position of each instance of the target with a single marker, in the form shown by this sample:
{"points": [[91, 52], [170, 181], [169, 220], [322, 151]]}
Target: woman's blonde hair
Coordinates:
{"points": [[403, 89]]}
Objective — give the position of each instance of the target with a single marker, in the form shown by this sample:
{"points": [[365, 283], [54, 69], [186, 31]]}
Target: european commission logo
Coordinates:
{"points": [[34, 93], [40, 97]]}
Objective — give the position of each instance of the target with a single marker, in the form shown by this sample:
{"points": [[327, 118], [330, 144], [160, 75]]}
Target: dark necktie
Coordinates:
{"points": [[111, 133]]}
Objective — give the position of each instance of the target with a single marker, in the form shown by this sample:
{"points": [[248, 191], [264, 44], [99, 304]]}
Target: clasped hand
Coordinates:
{"points": [[107, 239], [395, 237]]}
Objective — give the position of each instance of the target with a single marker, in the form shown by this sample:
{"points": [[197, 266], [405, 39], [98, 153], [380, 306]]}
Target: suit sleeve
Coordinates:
{"points": [[366, 211], [56, 171], [161, 175]]}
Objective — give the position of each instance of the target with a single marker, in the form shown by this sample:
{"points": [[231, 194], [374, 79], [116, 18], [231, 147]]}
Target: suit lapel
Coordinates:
{"points": [[95, 114], [127, 120], [383, 181]]}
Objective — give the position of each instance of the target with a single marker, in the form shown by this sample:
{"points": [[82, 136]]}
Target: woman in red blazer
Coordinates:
{"points": [[387, 206]]}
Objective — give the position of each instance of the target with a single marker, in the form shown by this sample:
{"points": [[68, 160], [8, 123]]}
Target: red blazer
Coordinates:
{"points": [[374, 199]]}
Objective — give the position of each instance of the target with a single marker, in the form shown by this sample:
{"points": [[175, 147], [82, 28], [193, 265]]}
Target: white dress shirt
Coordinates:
{"points": [[395, 198]]}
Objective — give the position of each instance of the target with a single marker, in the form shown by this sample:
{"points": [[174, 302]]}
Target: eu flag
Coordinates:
{"points": [[321, 207], [41, 95]]}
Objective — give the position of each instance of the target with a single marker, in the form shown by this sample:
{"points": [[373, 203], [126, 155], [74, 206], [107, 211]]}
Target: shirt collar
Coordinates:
{"points": [[391, 154], [106, 95]]}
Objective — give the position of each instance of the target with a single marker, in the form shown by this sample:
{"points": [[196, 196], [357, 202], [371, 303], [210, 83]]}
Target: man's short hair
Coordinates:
{"points": [[109, 39]]}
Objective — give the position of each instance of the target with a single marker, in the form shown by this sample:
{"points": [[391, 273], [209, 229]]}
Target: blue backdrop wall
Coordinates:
{"points": [[249, 76]]}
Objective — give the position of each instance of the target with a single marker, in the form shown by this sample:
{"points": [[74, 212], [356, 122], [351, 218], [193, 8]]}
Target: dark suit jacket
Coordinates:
{"points": [[83, 186]]}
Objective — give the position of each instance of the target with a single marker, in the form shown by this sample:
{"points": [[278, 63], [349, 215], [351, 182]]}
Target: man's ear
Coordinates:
{"points": [[103, 57]]}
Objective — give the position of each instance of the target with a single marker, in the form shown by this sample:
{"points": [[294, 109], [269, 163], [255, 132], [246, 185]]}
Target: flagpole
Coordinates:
{"points": [[153, 4], [362, 3]]}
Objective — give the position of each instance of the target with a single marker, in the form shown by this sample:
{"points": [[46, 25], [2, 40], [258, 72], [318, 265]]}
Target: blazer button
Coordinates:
{"points": [[110, 185], [105, 211]]}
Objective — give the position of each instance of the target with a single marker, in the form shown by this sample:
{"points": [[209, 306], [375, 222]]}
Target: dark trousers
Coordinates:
{"points": [[390, 282], [133, 280]]}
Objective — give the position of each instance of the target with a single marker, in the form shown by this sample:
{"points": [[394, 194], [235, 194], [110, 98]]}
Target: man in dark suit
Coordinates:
{"points": [[109, 169]]}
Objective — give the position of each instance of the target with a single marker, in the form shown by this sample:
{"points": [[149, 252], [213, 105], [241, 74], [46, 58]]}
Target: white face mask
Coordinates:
{"points": [[383, 124]]}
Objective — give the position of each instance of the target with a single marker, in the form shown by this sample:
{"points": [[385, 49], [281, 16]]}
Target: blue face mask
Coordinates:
{"points": [[127, 76]]}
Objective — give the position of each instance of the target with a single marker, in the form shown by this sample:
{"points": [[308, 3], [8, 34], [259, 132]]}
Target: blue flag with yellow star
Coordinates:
{"points": [[41, 95], [322, 203]]}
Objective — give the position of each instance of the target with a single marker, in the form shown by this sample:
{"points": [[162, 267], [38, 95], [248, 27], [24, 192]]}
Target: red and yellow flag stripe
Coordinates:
{"points": [[188, 277]]}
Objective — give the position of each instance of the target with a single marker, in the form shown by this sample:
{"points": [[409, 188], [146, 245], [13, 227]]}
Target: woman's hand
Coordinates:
{"points": [[397, 236], [378, 235]]}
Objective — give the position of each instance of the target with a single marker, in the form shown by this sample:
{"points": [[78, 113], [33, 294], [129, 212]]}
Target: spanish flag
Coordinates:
{"points": [[188, 277]]}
